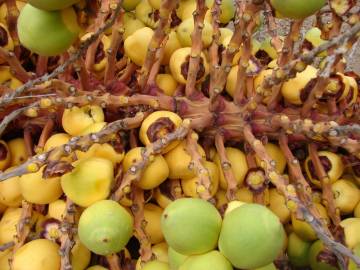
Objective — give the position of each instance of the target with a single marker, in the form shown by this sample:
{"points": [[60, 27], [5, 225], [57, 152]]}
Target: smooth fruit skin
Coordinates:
{"points": [[352, 231], [346, 195], [166, 83], [8, 223], [52, 4], [298, 250], [153, 175], [10, 192], [185, 29], [176, 259], [130, 5], [278, 205], [156, 265], [97, 267], [251, 236], [297, 9], [105, 227], [152, 214], [80, 256], [47, 33], [211, 260], [352, 264], [191, 226], [18, 151], [41, 254], [275, 154], [90, 181], [315, 249], [104, 150]]}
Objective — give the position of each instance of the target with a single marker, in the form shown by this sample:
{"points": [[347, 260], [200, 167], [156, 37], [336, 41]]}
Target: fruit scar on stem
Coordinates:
{"points": [[82, 143]]}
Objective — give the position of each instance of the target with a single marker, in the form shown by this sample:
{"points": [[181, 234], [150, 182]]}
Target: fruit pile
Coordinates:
{"points": [[166, 135]]}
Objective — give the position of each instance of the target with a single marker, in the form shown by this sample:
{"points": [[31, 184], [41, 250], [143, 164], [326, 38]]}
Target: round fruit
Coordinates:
{"points": [[145, 13], [315, 263], [346, 195], [171, 46], [79, 256], [57, 209], [105, 227], [131, 24], [130, 5], [10, 192], [238, 163], [97, 267], [297, 9], [56, 140], [298, 251], [5, 156], [6, 76], [251, 236], [176, 259], [76, 120], [104, 150], [156, 265], [152, 215], [166, 83], [179, 65], [291, 90], [18, 151], [211, 260], [186, 28], [276, 155], [156, 172], [181, 170], [278, 205], [157, 125], [351, 229], [40, 254], [191, 226], [8, 223], [332, 164], [90, 181], [53, 4], [47, 33], [352, 265], [36, 189]]}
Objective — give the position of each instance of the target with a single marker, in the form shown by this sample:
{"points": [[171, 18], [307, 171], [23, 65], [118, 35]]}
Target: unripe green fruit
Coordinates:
{"points": [[251, 236], [130, 5], [176, 259], [105, 227], [47, 33], [315, 264], [186, 28], [40, 254], [298, 251], [297, 9], [156, 265], [352, 264], [89, 182], [270, 266], [191, 226], [52, 4], [211, 260]]}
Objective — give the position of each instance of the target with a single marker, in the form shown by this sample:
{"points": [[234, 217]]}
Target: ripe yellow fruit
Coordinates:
{"points": [[276, 155], [152, 214], [238, 164], [36, 189], [18, 151], [157, 125], [104, 45], [189, 186], [76, 120], [7, 78], [80, 256], [56, 140], [4, 259], [10, 192], [181, 170], [8, 223], [40, 254], [154, 174], [105, 151], [97, 267], [179, 65], [90, 181], [346, 195], [166, 83], [171, 46], [185, 29], [136, 45], [57, 209], [278, 205], [352, 231]]}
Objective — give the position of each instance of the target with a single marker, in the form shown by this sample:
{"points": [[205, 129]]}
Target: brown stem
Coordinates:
{"points": [[45, 134], [114, 262], [28, 141], [15, 66], [41, 65]]}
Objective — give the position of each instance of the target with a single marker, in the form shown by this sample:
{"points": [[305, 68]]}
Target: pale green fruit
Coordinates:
{"points": [[315, 264], [270, 266], [105, 227], [297, 9], [298, 251], [186, 28], [251, 236], [89, 182], [211, 260], [175, 259], [191, 226], [130, 5], [352, 265], [47, 33], [97, 267], [53, 4], [155, 265]]}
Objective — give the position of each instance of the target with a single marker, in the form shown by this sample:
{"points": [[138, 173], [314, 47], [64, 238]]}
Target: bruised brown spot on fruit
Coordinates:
{"points": [[305, 92], [156, 15], [4, 39], [100, 53], [325, 162], [327, 257], [263, 57], [56, 168], [159, 128], [3, 151], [105, 240], [175, 20], [185, 68]]}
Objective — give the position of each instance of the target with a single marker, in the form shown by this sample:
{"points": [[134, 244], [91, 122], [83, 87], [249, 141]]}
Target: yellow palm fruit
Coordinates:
{"points": [[166, 83], [18, 151]]}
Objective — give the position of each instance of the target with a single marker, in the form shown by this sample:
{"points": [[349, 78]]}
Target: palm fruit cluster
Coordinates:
{"points": [[179, 135]]}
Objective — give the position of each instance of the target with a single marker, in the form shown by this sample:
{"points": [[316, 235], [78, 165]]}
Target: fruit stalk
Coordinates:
{"points": [[15, 66]]}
